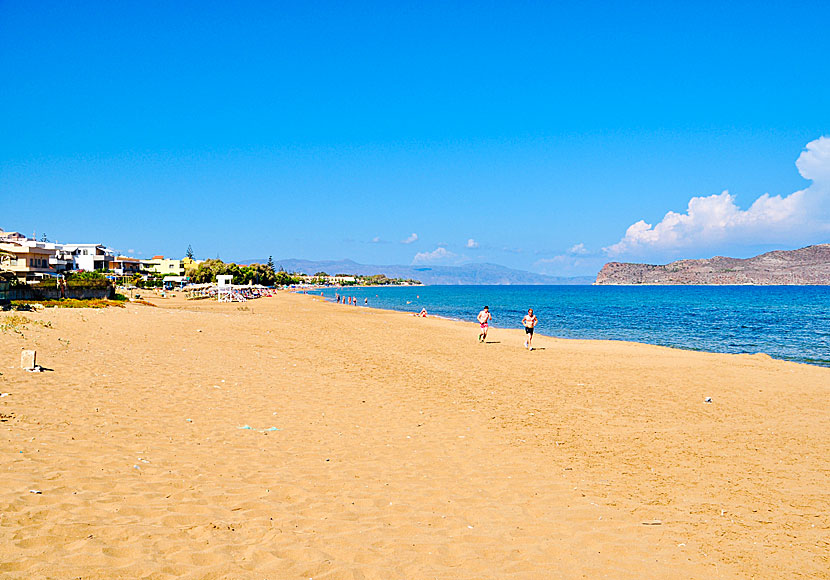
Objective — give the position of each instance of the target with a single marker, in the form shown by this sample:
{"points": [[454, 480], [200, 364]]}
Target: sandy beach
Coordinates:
{"points": [[291, 438]]}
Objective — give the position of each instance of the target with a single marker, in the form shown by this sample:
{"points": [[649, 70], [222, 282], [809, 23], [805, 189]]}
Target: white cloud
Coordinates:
{"points": [[717, 219], [131, 251], [376, 240], [577, 260], [413, 237], [472, 244], [437, 255]]}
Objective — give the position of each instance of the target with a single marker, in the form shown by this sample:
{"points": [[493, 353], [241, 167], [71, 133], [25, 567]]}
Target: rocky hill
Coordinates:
{"points": [[810, 265]]}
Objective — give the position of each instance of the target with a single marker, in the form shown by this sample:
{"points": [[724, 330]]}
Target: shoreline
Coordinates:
{"points": [[822, 363]]}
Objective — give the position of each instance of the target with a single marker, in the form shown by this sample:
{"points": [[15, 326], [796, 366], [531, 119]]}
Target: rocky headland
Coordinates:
{"points": [[810, 265]]}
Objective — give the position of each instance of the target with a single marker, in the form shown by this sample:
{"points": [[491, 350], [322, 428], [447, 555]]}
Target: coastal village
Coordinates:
{"points": [[31, 261]]}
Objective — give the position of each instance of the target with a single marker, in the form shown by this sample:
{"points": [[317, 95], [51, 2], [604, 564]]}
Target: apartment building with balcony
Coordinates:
{"points": [[29, 261]]}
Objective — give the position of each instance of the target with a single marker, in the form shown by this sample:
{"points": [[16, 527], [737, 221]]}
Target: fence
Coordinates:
{"points": [[39, 292]]}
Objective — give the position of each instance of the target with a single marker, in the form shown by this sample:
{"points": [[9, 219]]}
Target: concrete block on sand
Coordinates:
{"points": [[28, 359]]}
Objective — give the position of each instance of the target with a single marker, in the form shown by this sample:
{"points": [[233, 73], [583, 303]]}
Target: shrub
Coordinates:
{"points": [[15, 323], [86, 280]]}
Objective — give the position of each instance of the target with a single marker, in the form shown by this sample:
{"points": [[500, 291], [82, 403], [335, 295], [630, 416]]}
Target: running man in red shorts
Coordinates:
{"points": [[484, 319]]}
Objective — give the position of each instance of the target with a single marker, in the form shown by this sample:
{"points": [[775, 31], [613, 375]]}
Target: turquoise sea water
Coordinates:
{"points": [[786, 322]]}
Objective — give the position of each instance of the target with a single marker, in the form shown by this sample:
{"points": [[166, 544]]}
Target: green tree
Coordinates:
{"points": [[284, 279], [206, 272], [259, 274], [189, 252]]}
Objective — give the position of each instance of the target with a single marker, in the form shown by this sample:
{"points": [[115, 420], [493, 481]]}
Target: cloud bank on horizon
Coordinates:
{"points": [[438, 255], [714, 223], [717, 220]]}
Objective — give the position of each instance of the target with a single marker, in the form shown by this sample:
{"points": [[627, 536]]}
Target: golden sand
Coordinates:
{"points": [[403, 449]]}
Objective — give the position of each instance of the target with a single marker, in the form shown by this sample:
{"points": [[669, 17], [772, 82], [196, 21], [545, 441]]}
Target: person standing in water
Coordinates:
{"points": [[529, 322], [484, 319]]}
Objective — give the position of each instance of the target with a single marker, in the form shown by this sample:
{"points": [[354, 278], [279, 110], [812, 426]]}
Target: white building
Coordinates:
{"points": [[89, 257]]}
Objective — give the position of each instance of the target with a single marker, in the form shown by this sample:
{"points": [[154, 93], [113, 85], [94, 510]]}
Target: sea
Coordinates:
{"points": [[786, 322]]}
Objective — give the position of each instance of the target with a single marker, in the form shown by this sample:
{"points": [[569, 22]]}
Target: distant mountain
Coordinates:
{"points": [[810, 265], [480, 274]]}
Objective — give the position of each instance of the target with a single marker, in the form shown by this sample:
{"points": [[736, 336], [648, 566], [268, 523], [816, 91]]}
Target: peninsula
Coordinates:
{"points": [[805, 266]]}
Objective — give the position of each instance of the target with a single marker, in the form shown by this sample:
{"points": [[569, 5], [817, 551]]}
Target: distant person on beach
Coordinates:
{"points": [[484, 319], [365, 302], [529, 322], [422, 313]]}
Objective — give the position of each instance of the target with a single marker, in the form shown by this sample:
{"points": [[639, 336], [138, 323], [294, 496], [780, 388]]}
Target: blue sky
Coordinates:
{"points": [[537, 135]]}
